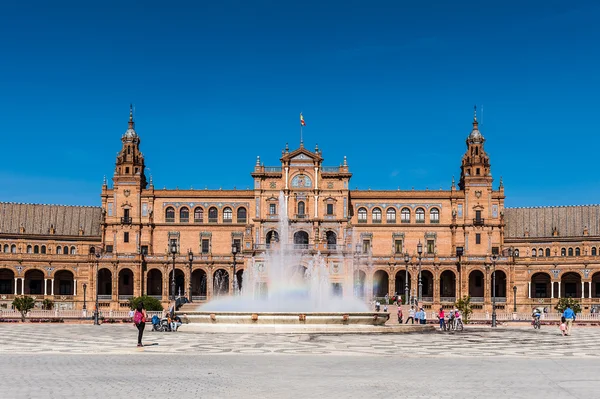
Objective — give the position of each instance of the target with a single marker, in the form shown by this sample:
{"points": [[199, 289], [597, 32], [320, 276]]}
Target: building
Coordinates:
{"points": [[369, 238]]}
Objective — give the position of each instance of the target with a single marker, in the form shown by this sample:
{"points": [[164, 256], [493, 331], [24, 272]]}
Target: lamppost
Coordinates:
{"points": [[406, 293], [84, 289], [96, 313], [494, 257], [234, 250], [173, 253], [191, 259], [515, 298], [420, 252]]}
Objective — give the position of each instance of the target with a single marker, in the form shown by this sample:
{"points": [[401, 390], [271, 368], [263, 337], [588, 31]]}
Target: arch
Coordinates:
{"points": [[563, 252], [593, 251], [73, 250], [541, 252], [359, 283], [500, 286], [34, 282], [199, 284], [390, 215], [400, 283], [29, 249], [595, 287], [272, 238], [405, 215], [170, 215], [104, 282], [13, 249], [180, 289], [213, 215], [64, 283], [434, 215], [301, 208], [7, 281], [331, 238], [125, 287], [570, 252], [427, 283], [184, 215], [447, 286], [301, 240], [380, 283], [5, 248], [36, 249], [43, 249], [198, 215], [59, 250], [376, 215], [533, 252], [239, 275], [220, 282], [242, 215], [570, 285], [547, 252], [577, 251], [420, 215], [540, 285], [65, 250], [476, 284], [227, 215], [362, 215], [154, 283]]}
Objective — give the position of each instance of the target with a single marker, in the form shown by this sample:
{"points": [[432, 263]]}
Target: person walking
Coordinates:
{"points": [[399, 314], [139, 319], [423, 316], [569, 316], [411, 315], [441, 319]]}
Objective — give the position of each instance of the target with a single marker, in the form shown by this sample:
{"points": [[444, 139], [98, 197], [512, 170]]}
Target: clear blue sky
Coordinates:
{"points": [[389, 84]]}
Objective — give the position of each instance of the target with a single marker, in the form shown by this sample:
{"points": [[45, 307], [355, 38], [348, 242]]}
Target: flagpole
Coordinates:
{"points": [[301, 139]]}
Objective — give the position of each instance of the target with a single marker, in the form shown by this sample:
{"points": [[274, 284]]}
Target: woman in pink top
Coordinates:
{"points": [[441, 318]]}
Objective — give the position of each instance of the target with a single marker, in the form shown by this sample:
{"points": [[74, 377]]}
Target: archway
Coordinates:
{"points": [[476, 285], [220, 282], [427, 282], [400, 283], [500, 286], [34, 282], [104, 282], [154, 283], [180, 289], [595, 285], [331, 238], [301, 240], [125, 289], [239, 279], [540, 285], [63, 283], [570, 285], [380, 283], [199, 285], [272, 238], [447, 286], [7, 281], [359, 283]]}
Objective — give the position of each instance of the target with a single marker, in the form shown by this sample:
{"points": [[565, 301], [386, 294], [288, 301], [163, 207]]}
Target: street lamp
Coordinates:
{"points": [[234, 250], [406, 293], [84, 289], [191, 259], [173, 253], [494, 257], [96, 312], [420, 252], [515, 298]]}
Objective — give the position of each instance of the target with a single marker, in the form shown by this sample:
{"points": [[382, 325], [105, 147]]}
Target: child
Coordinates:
{"points": [[563, 325]]}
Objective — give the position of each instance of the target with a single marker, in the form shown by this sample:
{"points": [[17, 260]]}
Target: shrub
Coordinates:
{"points": [[563, 302], [464, 306], [23, 304], [47, 304], [150, 303]]}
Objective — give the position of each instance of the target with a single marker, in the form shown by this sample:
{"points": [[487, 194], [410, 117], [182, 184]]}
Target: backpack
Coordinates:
{"points": [[137, 318]]}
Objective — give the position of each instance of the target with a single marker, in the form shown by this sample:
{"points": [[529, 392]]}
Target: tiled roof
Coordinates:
{"points": [[37, 219], [570, 221]]}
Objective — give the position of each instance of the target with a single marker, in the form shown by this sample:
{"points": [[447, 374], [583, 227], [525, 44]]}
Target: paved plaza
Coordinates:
{"points": [[55, 361]]}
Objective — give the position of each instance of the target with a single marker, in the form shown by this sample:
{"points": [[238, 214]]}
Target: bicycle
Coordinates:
{"points": [[536, 323]]}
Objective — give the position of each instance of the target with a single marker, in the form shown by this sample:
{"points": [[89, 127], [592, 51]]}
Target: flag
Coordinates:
{"points": [[302, 120]]}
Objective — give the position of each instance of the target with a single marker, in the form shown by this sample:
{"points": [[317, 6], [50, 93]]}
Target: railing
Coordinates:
{"points": [[301, 246], [227, 220], [184, 220], [272, 169], [478, 222], [126, 220], [501, 299], [301, 216], [420, 221], [391, 221], [477, 299], [201, 220], [362, 220], [427, 299], [435, 221], [332, 246], [125, 297], [213, 220], [520, 316], [170, 220], [376, 220], [241, 220], [199, 298], [448, 299], [330, 169], [159, 297], [104, 297]]}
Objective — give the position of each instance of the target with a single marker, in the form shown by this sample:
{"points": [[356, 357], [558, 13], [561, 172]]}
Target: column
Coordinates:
{"points": [[529, 289], [582, 290], [552, 289], [52, 288], [436, 289], [45, 286], [590, 289], [22, 286], [559, 290], [74, 287], [16, 285]]}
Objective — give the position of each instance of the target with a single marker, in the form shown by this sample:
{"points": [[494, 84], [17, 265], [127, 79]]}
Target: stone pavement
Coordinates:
{"points": [[86, 361]]}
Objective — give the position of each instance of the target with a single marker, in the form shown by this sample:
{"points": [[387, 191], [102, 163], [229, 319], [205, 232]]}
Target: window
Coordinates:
{"points": [[570, 251], [184, 215], [227, 215], [460, 251], [144, 250], [198, 215], [29, 249], [547, 251], [127, 169], [593, 251], [272, 209], [43, 249], [13, 249], [170, 215], [241, 215], [390, 215], [366, 246], [577, 252], [126, 237], [36, 249], [109, 249], [477, 171], [5, 248], [541, 252], [405, 215], [477, 238], [73, 251], [431, 247], [563, 252], [478, 216], [329, 209], [533, 253], [376, 215], [66, 250], [205, 245], [495, 251], [420, 215], [398, 246], [301, 208], [59, 250], [213, 215], [434, 215], [238, 244], [362, 215]]}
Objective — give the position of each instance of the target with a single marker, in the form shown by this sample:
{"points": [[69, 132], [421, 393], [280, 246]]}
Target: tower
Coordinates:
{"points": [[130, 161], [475, 168]]}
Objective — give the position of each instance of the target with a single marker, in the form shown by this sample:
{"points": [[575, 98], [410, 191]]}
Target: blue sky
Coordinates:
{"points": [[389, 84]]}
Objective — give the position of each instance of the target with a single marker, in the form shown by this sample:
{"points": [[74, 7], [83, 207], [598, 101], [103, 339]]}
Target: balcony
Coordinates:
{"points": [[241, 220], [362, 220], [330, 169], [332, 247], [104, 297], [301, 216], [377, 221], [446, 299], [478, 222], [272, 169], [170, 220], [125, 220], [213, 220]]}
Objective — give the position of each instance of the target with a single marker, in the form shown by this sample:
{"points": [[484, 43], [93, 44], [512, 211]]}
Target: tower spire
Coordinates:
{"points": [[131, 123]]}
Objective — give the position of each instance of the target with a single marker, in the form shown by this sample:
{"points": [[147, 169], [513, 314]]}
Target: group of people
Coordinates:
{"points": [[453, 317], [418, 316], [566, 320], [139, 316]]}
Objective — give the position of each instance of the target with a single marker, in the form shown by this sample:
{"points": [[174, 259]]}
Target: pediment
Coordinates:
{"points": [[301, 155]]}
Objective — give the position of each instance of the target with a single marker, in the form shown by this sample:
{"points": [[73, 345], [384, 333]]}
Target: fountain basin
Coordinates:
{"points": [[293, 318]]}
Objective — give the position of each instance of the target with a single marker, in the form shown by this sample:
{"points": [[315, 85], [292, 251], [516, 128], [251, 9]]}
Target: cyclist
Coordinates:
{"points": [[535, 316]]}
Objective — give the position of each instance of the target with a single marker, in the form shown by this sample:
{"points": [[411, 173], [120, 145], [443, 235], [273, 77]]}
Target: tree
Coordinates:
{"points": [[464, 306], [47, 304], [572, 302], [150, 303], [23, 304]]}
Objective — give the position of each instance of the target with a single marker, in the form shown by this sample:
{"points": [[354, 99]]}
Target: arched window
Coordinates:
{"points": [[13, 249], [5, 248], [301, 208], [227, 215], [434, 215], [170, 215], [547, 251], [420, 215], [390, 215], [58, 250], [43, 249], [184, 215], [29, 249], [362, 215], [534, 252], [198, 215], [241, 215], [213, 215], [73, 251], [593, 251], [36, 249], [563, 252], [66, 250], [405, 215], [577, 252], [541, 252], [570, 251], [516, 253], [376, 215]]}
